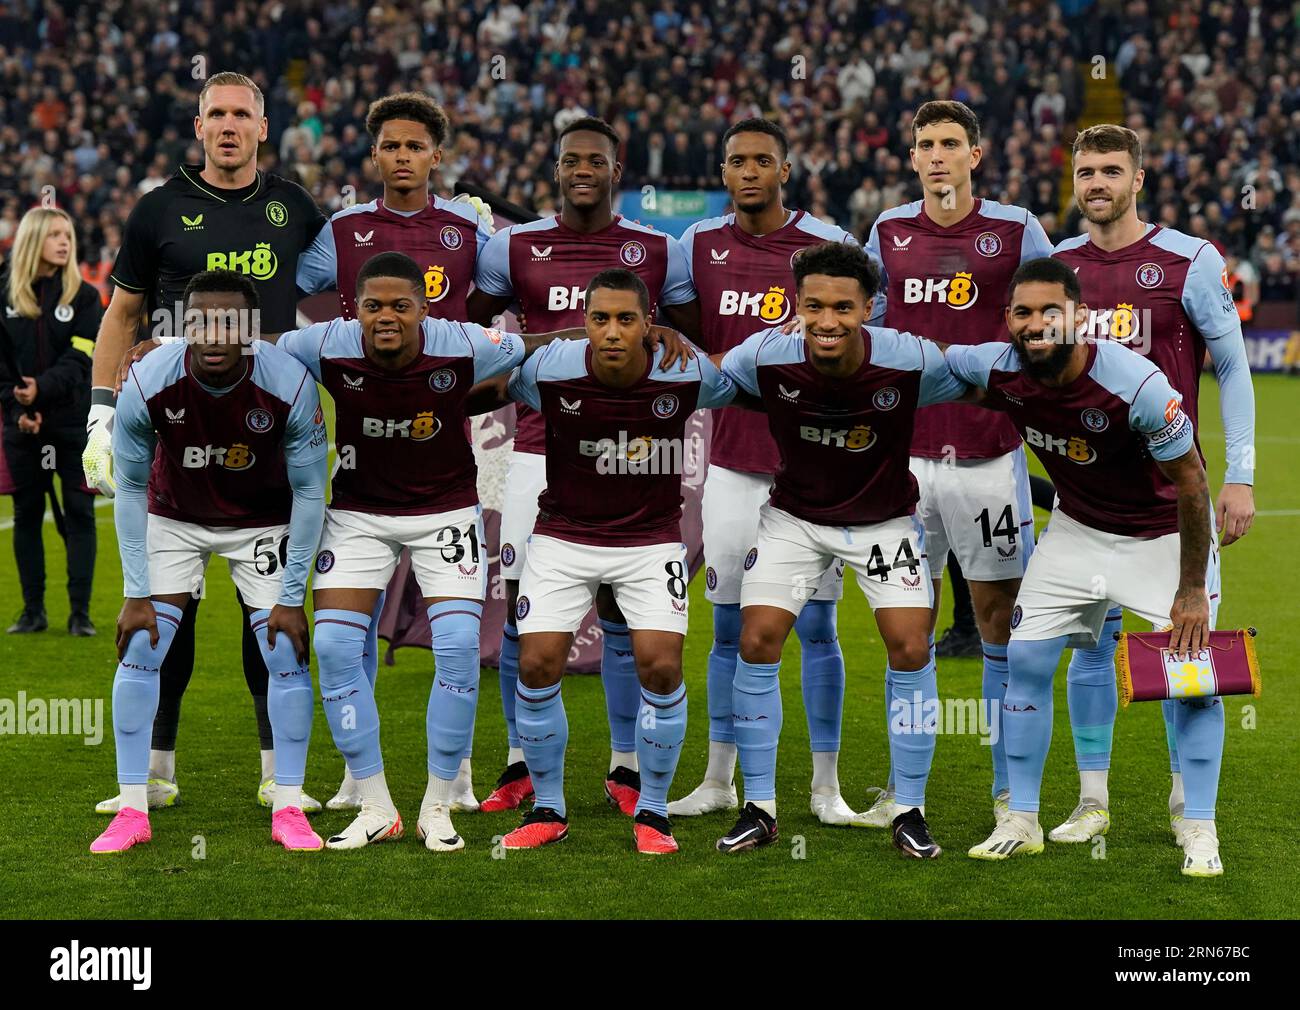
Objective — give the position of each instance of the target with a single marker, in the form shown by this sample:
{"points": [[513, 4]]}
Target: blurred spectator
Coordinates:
{"points": [[49, 331]]}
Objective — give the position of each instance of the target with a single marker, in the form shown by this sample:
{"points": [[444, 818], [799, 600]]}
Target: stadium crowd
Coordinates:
{"points": [[97, 100]]}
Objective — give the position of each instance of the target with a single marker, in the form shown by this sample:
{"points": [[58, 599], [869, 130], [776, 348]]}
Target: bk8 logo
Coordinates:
{"points": [[957, 292]]}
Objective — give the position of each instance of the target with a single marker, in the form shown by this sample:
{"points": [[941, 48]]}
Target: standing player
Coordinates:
{"points": [[544, 267], [230, 447], [741, 267], [947, 260], [444, 237], [840, 400], [1164, 294], [223, 215], [1133, 516], [406, 479], [610, 515]]}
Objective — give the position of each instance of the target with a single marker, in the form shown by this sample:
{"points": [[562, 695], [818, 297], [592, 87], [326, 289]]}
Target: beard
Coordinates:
{"points": [[1046, 368], [1118, 208]]}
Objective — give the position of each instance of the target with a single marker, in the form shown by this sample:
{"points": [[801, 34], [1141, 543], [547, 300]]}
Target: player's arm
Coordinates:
{"points": [[318, 264], [1209, 305], [482, 307], [739, 397], [133, 443], [493, 288], [305, 454], [878, 303], [1157, 414]]}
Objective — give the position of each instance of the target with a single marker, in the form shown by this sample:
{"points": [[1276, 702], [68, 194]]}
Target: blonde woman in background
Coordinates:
{"points": [[47, 338]]}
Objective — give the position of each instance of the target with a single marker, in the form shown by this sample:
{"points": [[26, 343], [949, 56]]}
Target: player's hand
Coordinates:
{"points": [[1234, 512], [676, 347], [30, 425], [481, 208], [291, 621], [793, 325], [26, 393], [97, 457], [133, 354], [1190, 615], [137, 615]]}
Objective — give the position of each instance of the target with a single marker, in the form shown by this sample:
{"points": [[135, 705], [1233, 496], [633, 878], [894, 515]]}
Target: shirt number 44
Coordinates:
{"points": [[904, 557]]}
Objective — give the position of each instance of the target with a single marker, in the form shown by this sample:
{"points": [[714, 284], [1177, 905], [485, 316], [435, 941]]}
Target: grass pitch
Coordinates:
{"points": [[212, 856]]}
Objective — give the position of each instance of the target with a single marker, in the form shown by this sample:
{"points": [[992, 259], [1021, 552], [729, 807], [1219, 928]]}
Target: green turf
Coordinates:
{"points": [[52, 783]]}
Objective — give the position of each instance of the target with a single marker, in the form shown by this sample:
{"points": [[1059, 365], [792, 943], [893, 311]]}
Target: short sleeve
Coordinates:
{"points": [[1034, 243], [492, 269], [304, 437], [1157, 413], [305, 345], [971, 363], [716, 390], [939, 384], [1206, 298], [523, 382], [136, 268], [740, 364], [494, 351], [678, 287], [133, 435], [318, 266], [880, 302], [687, 244]]}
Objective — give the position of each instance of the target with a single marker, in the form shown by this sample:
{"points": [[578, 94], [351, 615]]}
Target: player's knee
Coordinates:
{"points": [[909, 655], [537, 669], [339, 651], [457, 640], [760, 642], [660, 674]]}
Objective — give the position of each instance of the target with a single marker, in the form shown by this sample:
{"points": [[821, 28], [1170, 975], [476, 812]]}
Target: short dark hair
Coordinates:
{"points": [[772, 129], [837, 259], [1048, 270], [948, 112], [1107, 137], [222, 282], [618, 279], [391, 264], [413, 105], [592, 125]]}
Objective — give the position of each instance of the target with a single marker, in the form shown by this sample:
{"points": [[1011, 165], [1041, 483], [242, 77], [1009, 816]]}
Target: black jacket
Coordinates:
{"points": [[55, 351]]}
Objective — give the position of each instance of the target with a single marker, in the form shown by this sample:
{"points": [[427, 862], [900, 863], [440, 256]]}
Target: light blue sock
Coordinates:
{"points": [[659, 736], [453, 699], [722, 671], [371, 663], [1094, 701], [544, 734], [822, 674], [622, 688], [913, 724], [756, 702], [135, 695], [994, 689], [1027, 715], [289, 702], [347, 694], [1199, 723], [508, 675], [1169, 709], [890, 784]]}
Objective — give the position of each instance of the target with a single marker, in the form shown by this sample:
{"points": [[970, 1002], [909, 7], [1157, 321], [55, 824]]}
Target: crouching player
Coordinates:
{"points": [[841, 401], [236, 443], [1133, 529], [611, 514], [406, 479]]}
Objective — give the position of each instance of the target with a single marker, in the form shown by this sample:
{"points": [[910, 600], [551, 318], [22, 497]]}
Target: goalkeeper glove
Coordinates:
{"points": [[481, 208], [97, 458]]}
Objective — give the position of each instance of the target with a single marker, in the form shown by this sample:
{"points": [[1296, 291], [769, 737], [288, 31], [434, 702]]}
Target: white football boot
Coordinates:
{"points": [[371, 825], [435, 829], [1014, 837], [1002, 806], [1088, 821], [706, 798], [881, 812], [1201, 851], [266, 797], [161, 794], [830, 808]]}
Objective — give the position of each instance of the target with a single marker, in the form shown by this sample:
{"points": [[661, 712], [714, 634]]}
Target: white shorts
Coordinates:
{"points": [[730, 508], [979, 509], [525, 480], [792, 555], [359, 550], [1078, 573], [179, 553], [560, 580]]}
